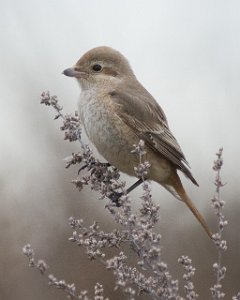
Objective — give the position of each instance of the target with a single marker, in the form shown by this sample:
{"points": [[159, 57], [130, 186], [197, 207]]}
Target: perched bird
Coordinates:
{"points": [[117, 111]]}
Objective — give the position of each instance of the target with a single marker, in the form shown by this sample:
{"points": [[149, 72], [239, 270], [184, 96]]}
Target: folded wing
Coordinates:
{"points": [[148, 121]]}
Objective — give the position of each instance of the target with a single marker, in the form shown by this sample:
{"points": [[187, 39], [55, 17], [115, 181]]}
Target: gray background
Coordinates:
{"points": [[186, 53]]}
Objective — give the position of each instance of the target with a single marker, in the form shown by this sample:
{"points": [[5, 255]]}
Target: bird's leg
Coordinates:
{"points": [[107, 164], [114, 197], [136, 184]]}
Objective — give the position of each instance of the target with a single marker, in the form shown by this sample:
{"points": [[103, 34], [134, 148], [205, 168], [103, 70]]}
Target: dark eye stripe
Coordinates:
{"points": [[110, 71]]}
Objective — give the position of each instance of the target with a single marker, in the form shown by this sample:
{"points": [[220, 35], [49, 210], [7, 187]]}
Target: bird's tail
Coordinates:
{"points": [[176, 188]]}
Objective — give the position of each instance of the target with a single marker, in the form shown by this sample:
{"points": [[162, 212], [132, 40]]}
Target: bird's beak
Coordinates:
{"points": [[72, 72]]}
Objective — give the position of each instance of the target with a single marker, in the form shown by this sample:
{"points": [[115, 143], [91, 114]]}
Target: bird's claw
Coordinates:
{"points": [[82, 168], [114, 197], [93, 164]]}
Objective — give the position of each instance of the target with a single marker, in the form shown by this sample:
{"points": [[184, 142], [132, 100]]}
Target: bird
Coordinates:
{"points": [[117, 111]]}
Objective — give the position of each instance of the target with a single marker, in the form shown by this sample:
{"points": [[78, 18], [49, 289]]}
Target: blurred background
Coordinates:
{"points": [[187, 54]]}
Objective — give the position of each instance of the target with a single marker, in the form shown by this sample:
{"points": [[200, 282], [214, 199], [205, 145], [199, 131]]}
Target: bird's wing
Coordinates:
{"points": [[139, 110]]}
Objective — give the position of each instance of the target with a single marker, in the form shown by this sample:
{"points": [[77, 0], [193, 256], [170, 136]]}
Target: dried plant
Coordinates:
{"points": [[136, 229], [69, 289], [221, 245], [188, 276]]}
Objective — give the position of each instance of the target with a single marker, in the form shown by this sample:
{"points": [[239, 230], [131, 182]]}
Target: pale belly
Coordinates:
{"points": [[114, 139]]}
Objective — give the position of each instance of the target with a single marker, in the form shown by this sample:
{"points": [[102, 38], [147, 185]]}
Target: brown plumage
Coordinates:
{"points": [[117, 111]]}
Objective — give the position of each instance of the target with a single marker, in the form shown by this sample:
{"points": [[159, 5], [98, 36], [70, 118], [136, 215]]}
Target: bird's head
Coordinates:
{"points": [[100, 66]]}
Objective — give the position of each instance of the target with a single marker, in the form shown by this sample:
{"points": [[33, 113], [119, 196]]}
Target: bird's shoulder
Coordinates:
{"points": [[137, 105]]}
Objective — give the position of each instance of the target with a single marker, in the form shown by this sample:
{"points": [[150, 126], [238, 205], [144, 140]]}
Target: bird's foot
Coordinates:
{"points": [[114, 197], [94, 163]]}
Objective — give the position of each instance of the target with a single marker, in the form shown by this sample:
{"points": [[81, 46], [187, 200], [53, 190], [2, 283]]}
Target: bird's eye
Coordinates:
{"points": [[97, 68]]}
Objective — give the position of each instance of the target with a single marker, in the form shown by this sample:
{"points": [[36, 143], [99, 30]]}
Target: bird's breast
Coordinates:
{"points": [[97, 116], [113, 139]]}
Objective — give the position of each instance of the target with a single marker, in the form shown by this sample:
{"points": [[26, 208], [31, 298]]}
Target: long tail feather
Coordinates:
{"points": [[177, 185]]}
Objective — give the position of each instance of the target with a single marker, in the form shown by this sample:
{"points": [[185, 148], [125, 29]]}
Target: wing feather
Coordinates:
{"points": [[139, 110]]}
